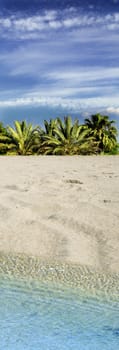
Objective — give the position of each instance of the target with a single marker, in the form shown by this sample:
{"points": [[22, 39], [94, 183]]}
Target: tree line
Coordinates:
{"points": [[97, 135]]}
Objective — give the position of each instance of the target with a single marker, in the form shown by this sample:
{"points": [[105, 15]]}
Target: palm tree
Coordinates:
{"points": [[3, 139], [103, 131], [49, 127], [67, 138], [21, 139], [41, 134]]}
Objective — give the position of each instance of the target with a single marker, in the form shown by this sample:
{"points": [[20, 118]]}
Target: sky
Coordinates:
{"points": [[58, 58]]}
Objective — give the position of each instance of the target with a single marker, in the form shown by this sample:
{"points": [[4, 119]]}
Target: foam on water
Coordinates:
{"points": [[41, 315]]}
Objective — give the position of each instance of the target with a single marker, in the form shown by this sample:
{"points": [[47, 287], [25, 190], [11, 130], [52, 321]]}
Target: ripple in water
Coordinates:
{"points": [[37, 316]]}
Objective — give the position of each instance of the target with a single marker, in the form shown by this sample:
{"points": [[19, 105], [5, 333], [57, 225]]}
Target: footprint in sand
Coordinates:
{"points": [[73, 181]]}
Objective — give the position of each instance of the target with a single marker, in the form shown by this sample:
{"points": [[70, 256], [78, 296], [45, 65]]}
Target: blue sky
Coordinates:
{"points": [[58, 58]]}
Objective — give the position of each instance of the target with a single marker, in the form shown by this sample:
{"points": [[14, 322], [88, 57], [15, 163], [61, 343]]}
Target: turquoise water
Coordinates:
{"points": [[39, 316]]}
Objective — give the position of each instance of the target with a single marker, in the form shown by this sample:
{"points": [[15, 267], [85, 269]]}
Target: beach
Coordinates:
{"points": [[59, 244], [63, 209]]}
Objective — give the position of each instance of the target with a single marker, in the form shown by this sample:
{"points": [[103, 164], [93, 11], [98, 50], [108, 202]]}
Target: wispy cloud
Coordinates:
{"points": [[113, 110], [66, 59], [88, 74], [75, 104], [42, 101]]}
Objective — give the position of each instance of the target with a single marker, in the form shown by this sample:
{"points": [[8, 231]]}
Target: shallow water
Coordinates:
{"points": [[44, 316]]}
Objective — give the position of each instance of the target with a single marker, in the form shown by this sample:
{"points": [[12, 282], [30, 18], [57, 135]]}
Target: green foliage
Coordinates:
{"points": [[4, 139], [21, 139], [103, 131], [97, 135], [67, 138]]}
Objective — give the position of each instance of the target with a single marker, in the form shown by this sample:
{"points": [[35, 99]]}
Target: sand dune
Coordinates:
{"points": [[61, 208]]}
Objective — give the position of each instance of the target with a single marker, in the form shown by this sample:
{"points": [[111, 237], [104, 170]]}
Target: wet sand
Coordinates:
{"points": [[61, 209]]}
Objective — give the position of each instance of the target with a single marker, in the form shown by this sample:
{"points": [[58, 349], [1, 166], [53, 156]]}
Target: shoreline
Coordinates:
{"points": [[78, 278]]}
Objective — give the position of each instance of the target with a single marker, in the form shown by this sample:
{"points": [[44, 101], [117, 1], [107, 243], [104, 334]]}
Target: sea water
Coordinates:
{"points": [[37, 316]]}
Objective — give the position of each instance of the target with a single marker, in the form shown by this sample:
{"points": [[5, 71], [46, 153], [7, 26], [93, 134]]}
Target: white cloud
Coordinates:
{"points": [[5, 22], [53, 20], [55, 24], [66, 103], [50, 15], [114, 110], [85, 74], [71, 22], [63, 92], [67, 62], [30, 24], [41, 101]]}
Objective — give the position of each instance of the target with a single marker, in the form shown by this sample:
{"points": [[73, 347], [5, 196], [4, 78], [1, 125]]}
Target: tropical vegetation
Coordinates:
{"points": [[21, 139], [104, 132], [97, 135]]}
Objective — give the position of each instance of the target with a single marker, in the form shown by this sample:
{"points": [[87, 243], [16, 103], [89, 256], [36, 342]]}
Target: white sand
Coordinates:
{"points": [[61, 208]]}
